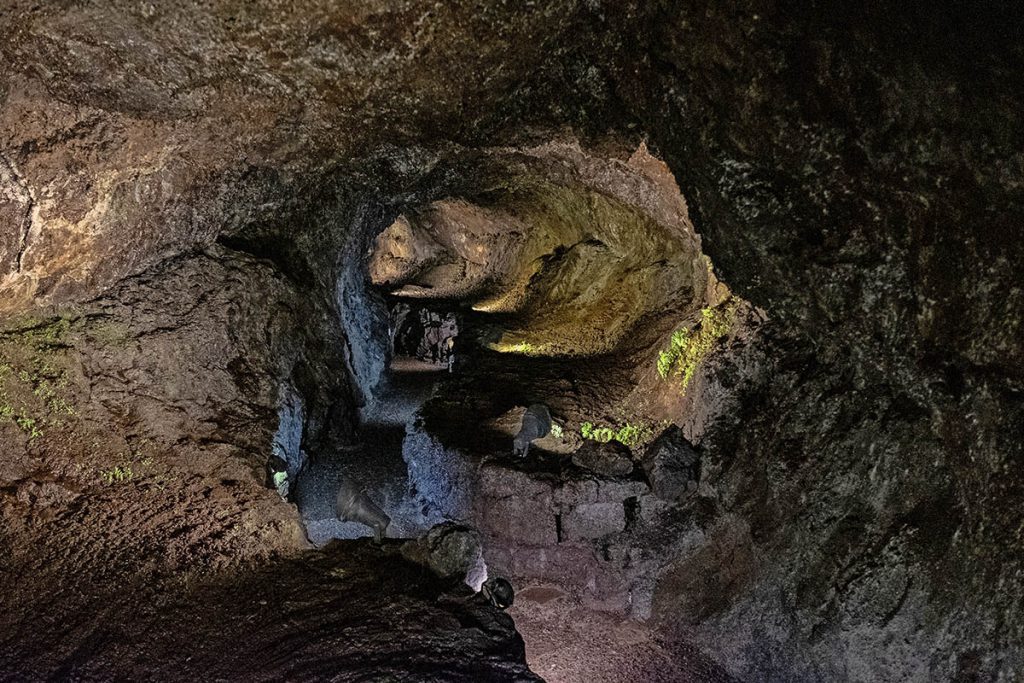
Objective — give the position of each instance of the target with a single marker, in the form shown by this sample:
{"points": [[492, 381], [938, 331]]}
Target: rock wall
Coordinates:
{"points": [[857, 173]]}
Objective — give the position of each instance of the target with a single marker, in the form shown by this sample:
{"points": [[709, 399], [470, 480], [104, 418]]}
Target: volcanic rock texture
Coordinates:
{"points": [[187, 192]]}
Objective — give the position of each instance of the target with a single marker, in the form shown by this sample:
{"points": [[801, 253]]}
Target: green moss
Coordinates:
{"points": [[29, 425], [524, 347], [39, 333], [631, 435], [117, 474], [687, 348], [33, 378], [110, 333]]}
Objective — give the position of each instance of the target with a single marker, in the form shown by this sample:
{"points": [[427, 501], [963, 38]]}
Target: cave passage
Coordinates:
{"points": [[584, 293], [375, 464], [470, 341]]}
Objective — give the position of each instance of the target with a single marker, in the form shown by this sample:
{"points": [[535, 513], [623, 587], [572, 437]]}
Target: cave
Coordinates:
{"points": [[566, 341]]}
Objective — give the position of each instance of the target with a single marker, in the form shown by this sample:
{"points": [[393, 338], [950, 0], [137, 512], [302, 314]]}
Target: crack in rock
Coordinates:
{"points": [[14, 188]]}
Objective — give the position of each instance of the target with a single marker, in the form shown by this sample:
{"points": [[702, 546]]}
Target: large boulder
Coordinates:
{"points": [[672, 465], [450, 550], [611, 459]]}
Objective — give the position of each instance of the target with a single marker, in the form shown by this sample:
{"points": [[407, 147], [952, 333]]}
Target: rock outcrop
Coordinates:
{"points": [[610, 459], [343, 613]]}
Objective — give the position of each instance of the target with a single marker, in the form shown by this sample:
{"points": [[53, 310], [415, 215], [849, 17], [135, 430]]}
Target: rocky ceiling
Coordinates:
{"points": [[185, 185], [574, 249]]}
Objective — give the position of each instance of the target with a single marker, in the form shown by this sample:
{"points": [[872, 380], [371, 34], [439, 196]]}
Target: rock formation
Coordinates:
{"points": [[206, 207]]}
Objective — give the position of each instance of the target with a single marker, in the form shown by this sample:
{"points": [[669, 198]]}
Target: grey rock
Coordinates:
{"points": [[450, 550], [530, 521], [672, 465], [873, 216], [610, 459], [593, 520]]}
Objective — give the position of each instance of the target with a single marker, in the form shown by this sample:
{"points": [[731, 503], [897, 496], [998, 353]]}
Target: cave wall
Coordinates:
{"points": [[200, 118], [176, 378], [211, 346], [568, 251], [363, 311], [855, 172]]}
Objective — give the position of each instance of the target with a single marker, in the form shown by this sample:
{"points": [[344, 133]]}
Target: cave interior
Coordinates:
{"points": [[582, 341]]}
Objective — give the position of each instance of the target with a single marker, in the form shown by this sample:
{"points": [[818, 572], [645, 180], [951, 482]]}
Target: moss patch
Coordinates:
{"points": [[688, 348], [33, 375], [628, 434], [117, 474]]}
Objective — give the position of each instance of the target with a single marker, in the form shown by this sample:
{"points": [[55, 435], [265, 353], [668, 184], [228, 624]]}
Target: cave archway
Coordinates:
{"points": [[568, 280], [190, 193]]}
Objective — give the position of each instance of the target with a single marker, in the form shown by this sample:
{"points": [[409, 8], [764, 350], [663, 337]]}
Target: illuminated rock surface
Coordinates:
{"points": [[196, 263]]}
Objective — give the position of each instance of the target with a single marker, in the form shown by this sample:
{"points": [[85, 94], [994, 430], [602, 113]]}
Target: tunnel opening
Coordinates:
{"points": [[566, 285], [422, 334]]}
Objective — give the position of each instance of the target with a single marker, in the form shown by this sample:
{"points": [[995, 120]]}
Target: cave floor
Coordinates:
{"points": [[568, 643]]}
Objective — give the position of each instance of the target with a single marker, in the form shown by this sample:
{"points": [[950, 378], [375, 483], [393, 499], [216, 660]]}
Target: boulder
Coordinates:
{"points": [[610, 459], [451, 551], [672, 465]]}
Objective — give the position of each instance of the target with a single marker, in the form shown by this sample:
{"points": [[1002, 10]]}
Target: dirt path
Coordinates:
{"points": [[568, 643]]}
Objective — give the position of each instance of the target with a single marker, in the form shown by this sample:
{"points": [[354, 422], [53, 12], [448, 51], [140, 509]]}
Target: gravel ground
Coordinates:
{"points": [[568, 643]]}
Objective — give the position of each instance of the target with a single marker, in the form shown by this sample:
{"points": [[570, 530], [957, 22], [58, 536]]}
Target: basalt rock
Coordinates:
{"points": [[198, 185], [611, 459], [361, 609], [868, 519], [672, 465], [450, 551]]}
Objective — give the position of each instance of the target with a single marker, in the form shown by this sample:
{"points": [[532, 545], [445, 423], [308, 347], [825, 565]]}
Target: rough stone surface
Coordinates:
{"points": [[672, 465], [853, 171], [610, 459], [593, 520], [337, 614], [450, 551], [858, 177]]}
